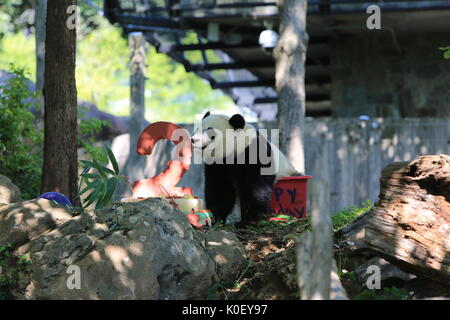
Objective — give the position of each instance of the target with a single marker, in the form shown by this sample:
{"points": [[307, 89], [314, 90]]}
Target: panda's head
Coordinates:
{"points": [[218, 136]]}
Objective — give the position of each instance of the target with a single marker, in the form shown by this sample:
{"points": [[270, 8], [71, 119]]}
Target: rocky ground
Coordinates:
{"points": [[148, 250], [269, 272]]}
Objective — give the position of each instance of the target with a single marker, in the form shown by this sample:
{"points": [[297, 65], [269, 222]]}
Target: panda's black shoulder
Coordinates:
{"points": [[263, 141]]}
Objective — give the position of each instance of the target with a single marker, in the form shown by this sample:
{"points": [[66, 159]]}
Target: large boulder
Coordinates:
{"points": [[22, 221], [9, 192], [132, 250]]}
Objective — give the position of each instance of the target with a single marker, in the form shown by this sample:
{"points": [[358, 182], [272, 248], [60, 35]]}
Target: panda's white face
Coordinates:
{"points": [[214, 137]]}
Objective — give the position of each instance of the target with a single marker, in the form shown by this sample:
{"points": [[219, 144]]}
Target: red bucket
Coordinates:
{"points": [[289, 197]]}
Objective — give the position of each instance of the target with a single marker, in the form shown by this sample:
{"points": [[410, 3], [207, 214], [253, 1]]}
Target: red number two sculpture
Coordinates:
{"points": [[164, 184]]}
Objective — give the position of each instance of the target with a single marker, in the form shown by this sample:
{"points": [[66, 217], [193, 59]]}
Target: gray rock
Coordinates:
{"points": [[133, 250], [9, 192], [227, 252], [23, 221]]}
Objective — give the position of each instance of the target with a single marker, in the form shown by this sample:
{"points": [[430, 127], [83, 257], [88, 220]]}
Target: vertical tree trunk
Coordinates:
{"points": [[60, 169], [39, 24], [136, 163], [290, 56]]}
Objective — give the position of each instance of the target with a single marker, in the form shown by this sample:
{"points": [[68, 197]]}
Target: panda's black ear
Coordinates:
{"points": [[206, 114], [237, 121]]}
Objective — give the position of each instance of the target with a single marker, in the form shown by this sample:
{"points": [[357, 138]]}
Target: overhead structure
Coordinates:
{"points": [[241, 67]]}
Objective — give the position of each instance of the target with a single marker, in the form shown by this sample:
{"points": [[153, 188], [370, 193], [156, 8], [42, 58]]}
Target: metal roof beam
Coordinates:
{"points": [[264, 83], [251, 65], [169, 47], [243, 84], [232, 65], [309, 97]]}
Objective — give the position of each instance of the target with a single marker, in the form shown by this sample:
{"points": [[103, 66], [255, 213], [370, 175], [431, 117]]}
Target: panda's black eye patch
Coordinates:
{"points": [[211, 133]]}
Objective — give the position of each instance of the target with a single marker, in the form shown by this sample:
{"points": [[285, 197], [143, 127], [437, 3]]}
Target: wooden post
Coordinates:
{"points": [[39, 24], [316, 268], [290, 56], [134, 168], [315, 251]]}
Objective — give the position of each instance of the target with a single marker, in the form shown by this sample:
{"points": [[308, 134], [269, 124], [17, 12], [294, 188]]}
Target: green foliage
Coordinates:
{"points": [[18, 49], [220, 287], [177, 95], [106, 52], [262, 224], [172, 94], [347, 215], [446, 52], [393, 293], [346, 275], [10, 266], [87, 128], [20, 141], [14, 15], [102, 182]]}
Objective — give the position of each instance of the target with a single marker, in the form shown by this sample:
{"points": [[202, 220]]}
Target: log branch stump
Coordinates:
{"points": [[410, 225]]}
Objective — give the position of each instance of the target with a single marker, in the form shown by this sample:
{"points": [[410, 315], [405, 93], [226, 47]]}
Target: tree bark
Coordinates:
{"points": [[39, 24], [290, 56], [135, 165], [410, 225], [60, 170]]}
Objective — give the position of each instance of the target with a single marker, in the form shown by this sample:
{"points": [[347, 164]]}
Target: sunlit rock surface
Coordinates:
{"points": [[9, 192], [135, 250]]}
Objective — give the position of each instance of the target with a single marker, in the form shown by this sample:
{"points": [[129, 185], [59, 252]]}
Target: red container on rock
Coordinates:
{"points": [[289, 197]]}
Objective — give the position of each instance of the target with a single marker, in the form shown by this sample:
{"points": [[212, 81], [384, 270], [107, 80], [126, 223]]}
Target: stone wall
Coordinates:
{"points": [[379, 75]]}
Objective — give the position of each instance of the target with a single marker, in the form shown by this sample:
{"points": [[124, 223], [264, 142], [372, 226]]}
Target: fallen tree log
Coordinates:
{"points": [[410, 225]]}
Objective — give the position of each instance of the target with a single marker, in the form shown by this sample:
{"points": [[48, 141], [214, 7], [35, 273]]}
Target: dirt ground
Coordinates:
{"points": [[270, 273]]}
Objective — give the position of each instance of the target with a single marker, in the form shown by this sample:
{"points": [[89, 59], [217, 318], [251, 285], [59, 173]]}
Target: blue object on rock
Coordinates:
{"points": [[57, 197]]}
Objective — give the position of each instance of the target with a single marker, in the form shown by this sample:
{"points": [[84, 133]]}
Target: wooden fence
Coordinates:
{"points": [[349, 154]]}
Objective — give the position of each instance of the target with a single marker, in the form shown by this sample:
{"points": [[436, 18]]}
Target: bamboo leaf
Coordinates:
{"points": [[94, 195], [101, 201], [90, 175], [112, 159], [91, 185]]}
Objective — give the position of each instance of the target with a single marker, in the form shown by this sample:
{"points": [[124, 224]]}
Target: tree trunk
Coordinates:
{"points": [[39, 24], [290, 56], [410, 225], [135, 165], [60, 169]]}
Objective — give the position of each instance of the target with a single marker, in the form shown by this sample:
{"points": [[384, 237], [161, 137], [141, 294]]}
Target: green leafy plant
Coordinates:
{"points": [[20, 141], [446, 52], [10, 266], [347, 215], [87, 128], [218, 287], [100, 180]]}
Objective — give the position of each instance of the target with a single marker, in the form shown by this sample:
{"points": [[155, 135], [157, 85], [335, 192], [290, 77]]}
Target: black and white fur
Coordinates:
{"points": [[227, 185]]}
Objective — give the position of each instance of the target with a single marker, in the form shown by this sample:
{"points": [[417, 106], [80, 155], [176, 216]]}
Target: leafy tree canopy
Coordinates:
{"points": [[102, 74]]}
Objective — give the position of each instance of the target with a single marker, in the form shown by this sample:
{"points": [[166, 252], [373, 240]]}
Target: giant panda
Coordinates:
{"points": [[233, 174]]}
